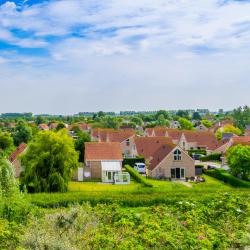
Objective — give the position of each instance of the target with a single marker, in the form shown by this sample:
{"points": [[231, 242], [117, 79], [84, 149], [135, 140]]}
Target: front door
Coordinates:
{"points": [[178, 173]]}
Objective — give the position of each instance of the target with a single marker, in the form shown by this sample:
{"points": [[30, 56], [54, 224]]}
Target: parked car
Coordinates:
{"points": [[140, 168], [197, 156], [210, 167]]}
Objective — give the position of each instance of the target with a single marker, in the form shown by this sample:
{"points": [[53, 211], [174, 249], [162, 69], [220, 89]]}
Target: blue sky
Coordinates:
{"points": [[65, 56]]}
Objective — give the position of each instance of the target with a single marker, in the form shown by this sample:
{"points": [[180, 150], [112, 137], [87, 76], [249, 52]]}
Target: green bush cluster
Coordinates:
{"points": [[184, 225], [132, 161], [211, 157], [197, 151], [137, 177], [226, 177]]}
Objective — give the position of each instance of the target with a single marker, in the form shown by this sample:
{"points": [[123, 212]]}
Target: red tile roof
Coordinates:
{"points": [[20, 149], [111, 135], [243, 140], [203, 139], [43, 126], [103, 151], [154, 149]]}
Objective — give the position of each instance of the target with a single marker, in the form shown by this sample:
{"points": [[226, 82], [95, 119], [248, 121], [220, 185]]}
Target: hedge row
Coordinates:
{"points": [[211, 157], [137, 177], [226, 177]]}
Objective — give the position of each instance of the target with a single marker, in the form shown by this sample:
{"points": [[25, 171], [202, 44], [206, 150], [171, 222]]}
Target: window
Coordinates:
{"points": [[127, 142], [172, 172], [182, 173], [177, 155]]}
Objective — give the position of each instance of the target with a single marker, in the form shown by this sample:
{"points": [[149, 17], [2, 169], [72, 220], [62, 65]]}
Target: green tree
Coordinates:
{"points": [[165, 114], [6, 143], [79, 143], [39, 120], [161, 121], [196, 116], [22, 133], [207, 123], [137, 120], [109, 122], [227, 129], [238, 159], [60, 126], [49, 162], [183, 114], [186, 124], [241, 117], [8, 185]]}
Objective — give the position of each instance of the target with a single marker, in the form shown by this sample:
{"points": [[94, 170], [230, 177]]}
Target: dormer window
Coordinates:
{"points": [[177, 155]]}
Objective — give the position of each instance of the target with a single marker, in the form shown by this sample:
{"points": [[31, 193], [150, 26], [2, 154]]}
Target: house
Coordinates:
{"points": [[103, 160], [43, 127], [165, 159], [14, 160], [220, 124], [124, 137], [201, 127], [199, 140]]}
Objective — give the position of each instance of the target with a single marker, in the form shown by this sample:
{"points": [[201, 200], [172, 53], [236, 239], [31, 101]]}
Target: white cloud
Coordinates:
{"points": [[111, 55]]}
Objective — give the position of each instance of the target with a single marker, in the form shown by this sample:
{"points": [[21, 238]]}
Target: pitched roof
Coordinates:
{"points": [[103, 151], [20, 149], [203, 139], [43, 126], [111, 135], [154, 149], [243, 140]]}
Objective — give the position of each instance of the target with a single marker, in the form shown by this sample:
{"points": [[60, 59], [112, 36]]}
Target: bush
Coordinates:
{"points": [[137, 177], [211, 157], [226, 177], [132, 161]]}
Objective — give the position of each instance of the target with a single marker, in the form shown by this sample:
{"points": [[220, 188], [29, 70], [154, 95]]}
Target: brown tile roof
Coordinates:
{"points": [[43, 126], [203, 139], [103, 151], [243, 140], [111, 135], [20, 149], [173, 133], [154, 149]]}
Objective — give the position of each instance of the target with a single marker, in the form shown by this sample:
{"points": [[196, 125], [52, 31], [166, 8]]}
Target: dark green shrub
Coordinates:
{"points": [[132, 161], [211, 157], [226, 177], [197, 151], [137, 177]]}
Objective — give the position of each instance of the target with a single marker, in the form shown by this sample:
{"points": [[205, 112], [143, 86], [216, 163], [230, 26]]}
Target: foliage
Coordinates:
{"points": [[137, 120], [241, 117], [79, 143], [207, 123], [165, 114], [183, 114], [196, 116], [6, 143], [161, 121], [226, 177], [211, 157], [197, 151], [137, 177], [132, 161], [109, 122], [22, 133], [227, 129], [8, 185], [60, 126], [198, 224], [186, 124], [238, 159], [49, 153]]}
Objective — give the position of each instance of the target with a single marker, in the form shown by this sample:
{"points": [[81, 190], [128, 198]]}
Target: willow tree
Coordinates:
{"points": [[49, 162]]}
